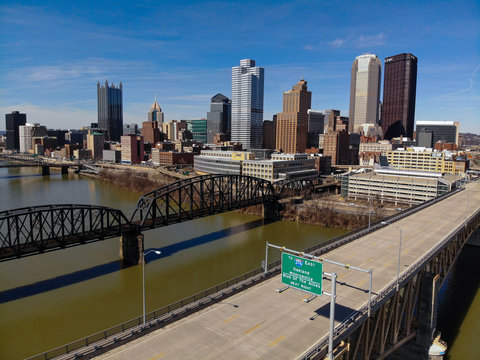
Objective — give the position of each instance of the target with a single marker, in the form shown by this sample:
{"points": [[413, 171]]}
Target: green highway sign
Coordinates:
{"points": [[303, 274]]}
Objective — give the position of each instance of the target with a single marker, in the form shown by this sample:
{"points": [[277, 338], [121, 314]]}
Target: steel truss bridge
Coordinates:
{"points": [[34, 230]]}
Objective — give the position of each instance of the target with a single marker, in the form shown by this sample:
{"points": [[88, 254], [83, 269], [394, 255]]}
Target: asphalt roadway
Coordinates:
{"points": [[260, 323]]}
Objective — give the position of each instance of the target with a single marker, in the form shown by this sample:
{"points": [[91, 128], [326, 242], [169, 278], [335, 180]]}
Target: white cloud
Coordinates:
{"points": [[309, 47], [370, 40], [337, 42]]}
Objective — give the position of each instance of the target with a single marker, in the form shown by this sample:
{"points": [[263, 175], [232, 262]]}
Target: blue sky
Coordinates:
{"points": [[53, 52]]}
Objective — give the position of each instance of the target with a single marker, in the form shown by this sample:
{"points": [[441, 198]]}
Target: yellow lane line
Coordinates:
{"points": [[231, 318], [157, 356], [276, 341], [252, 328]]}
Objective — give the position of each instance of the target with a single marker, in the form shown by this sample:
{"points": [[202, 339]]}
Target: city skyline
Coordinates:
{"points": [[53, 55]]}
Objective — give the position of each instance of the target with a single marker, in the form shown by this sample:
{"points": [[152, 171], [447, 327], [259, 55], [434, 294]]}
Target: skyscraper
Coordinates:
{"points": [[151, 128], [364, 91], [292, 123], [316, 126], [219, 117], [330, 119], [110, 110], [155, 113], [247, 104], [399, 89], [12, 123]]}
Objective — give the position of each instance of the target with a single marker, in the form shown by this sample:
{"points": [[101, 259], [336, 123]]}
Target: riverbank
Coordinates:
{"points": [[140, 182], [326, 211]]}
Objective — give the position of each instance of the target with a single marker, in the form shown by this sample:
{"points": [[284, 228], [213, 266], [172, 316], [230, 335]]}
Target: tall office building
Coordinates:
{"points": [[219, 117], [26, 134], [132, 149], [155, 114], [268, 134], [95, 143], [316, 126], [12, 123], [365, 91], [399, 89], [292, 123], [151, 129], [429, 132], [247, 104], [330, 119], [110, 110]]}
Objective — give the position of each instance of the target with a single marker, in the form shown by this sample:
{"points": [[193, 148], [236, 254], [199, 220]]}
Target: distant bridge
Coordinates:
{"points": [[34, 230], [22, 160]]}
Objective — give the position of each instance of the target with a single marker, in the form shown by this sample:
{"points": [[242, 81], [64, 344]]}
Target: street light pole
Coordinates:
{"points": [[369, 211], [143, 277]]}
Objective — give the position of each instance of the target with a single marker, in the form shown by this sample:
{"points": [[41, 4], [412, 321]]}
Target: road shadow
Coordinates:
{"points": [[111, 267], [341, 312]]}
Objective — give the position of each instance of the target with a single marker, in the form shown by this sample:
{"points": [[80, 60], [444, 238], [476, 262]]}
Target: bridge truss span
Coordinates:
{"points": [[200, 196], [38, 229]]}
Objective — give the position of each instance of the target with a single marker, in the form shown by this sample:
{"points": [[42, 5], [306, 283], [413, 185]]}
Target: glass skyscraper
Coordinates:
{"points": [[110, 110], [219, 117], [399, 90], [364, 91], [247, 104]]}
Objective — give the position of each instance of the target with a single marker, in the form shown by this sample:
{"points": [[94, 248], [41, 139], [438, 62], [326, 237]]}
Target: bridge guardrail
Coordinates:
{"points": [[167, 313]]}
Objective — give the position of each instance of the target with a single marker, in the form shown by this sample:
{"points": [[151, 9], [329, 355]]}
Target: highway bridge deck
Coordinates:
{"points": [[260, 323]]}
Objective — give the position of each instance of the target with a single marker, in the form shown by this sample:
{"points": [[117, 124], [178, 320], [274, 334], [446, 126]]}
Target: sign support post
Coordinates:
{"points": [[332, 316], [266, 259]]}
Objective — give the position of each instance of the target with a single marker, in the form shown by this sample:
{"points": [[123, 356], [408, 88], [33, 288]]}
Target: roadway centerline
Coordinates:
{"points": [[277, 340], [157, 356], [231, 318], [253, 328]]}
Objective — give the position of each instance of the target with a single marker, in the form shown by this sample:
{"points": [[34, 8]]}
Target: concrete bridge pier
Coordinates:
{"points": [[271, 211], [45, 170], [64, 170], [131, 248]]}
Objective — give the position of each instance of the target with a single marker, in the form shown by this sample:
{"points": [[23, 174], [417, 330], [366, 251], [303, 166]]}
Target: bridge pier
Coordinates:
{"points": [[131, 248], [271, 210], [64, 170], [45, 170]]}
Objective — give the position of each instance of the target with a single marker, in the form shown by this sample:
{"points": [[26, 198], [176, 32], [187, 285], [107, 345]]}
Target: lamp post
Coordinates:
{"points": [[399, 252], [369, 211], [145, 254]]}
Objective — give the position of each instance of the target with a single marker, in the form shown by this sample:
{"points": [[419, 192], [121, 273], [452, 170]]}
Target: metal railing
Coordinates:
{"points": [[185, 306]]}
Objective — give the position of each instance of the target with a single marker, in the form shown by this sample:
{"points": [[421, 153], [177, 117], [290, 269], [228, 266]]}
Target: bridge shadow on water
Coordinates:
{"points": [[113, 266]]}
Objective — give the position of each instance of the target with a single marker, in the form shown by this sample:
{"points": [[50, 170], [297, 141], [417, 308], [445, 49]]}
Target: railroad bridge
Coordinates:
{"points": [[34, 230]]}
